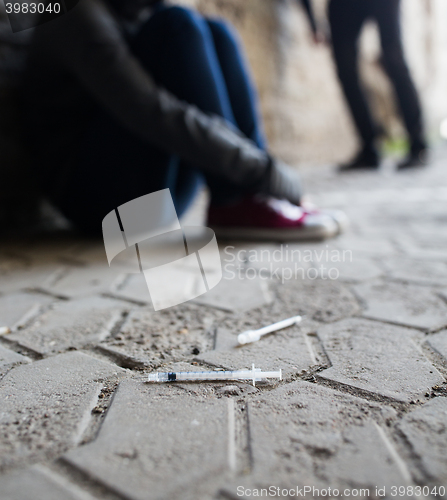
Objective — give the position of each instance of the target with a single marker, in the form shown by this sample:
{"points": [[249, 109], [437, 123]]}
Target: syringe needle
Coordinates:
{"points": [[254, 335]]}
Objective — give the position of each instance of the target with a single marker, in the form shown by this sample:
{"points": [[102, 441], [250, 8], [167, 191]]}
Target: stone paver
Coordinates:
{"points": [[382, 359], [28, 277], [409, 305], [439, 343], [418, 250], [134, 289], [424, 272], [188, 279], [9, 358], [300, 261], [169, 335], [357, 270], [326, 438], [268, 259], [74, 282], [361, 246], [430, 237], [238, 295], [38, 483], [45, 406], [324, 301], [159, 442], [71, 324], [17, 309], [426, 431], [288, 350], [93, 255]]}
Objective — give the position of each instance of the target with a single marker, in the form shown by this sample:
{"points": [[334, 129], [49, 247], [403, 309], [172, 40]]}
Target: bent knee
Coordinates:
{"points": [[221, 27], [224, 32], [180, 18]]}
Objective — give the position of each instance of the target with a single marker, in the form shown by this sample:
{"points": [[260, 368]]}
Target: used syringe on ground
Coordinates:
{"points": [[254, 374], [254, 335]]}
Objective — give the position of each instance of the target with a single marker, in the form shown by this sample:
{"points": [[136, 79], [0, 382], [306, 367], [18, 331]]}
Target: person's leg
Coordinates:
{"points": [[346, 19], [387, 13], [178, 48], [239, 82]]}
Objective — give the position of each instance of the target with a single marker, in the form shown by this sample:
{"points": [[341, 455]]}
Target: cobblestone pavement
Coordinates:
{"points": [[363, 403]]}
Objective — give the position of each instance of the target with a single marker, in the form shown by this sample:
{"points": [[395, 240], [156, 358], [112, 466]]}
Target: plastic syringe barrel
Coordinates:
{"points": [[279, 326], [254, 374]]}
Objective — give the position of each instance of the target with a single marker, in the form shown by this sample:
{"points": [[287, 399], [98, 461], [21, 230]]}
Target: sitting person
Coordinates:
{"points": [[128, 97]]}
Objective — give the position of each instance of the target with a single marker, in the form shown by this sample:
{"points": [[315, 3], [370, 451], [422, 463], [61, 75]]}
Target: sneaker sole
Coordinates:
{"points": [[340, 218], [310, 233]]}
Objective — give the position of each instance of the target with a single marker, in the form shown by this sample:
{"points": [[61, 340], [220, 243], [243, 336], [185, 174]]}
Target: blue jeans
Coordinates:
{"points": [[201, 62]]}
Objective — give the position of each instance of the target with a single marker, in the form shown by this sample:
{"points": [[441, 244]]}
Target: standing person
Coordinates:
{"points": [[347, 18], [127, 97]]}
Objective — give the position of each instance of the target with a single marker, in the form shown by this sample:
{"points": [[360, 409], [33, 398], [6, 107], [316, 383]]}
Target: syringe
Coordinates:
{"points": [[254, 374], [254, 335]]}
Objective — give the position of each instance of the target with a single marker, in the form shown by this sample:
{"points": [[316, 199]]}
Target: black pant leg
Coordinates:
{"points": [[346, 19], [387, 14]]}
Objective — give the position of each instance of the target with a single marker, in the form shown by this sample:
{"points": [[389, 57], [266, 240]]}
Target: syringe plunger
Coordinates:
{"points": [[254, 335]]}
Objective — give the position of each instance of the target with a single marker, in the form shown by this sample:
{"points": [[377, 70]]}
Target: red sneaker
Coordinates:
{"points": [[262, 218]]}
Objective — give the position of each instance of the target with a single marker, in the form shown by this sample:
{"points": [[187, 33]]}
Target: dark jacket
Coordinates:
{"points": [[82, 59]]}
